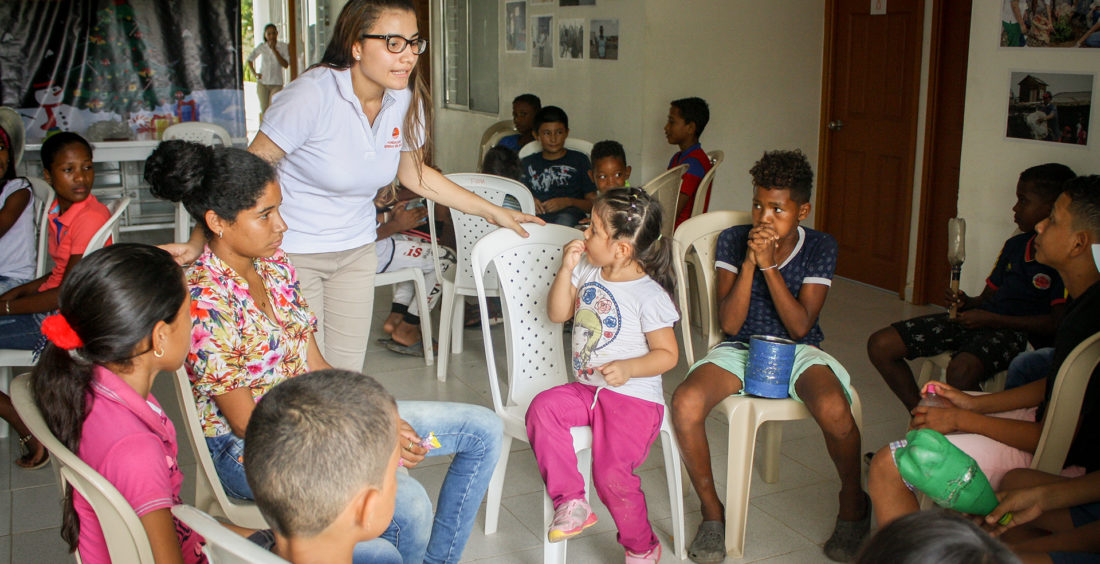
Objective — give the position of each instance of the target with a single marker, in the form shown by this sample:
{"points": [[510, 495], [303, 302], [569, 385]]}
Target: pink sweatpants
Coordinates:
{"points": [[623, 428]]}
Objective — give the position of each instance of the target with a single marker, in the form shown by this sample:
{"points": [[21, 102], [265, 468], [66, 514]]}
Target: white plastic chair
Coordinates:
{"points": [[468, 229], [198, 132], [936, 367], [699, 236], [222, 545], [122, 529], [665, 188], [493, 134], [10, 358], [701, 194], [1064, 409], [745, 415], [209, 493], [525, 268], [570, 143], [415, 276]]}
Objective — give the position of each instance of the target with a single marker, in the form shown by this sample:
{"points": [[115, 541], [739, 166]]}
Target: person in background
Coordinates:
{"points": [[524, 108], [275, 57], [687, 118]]}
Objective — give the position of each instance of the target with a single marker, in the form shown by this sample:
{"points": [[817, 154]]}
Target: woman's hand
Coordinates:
{"points": [[511, 219], [409, 443], [184, 253], [571, 254]]}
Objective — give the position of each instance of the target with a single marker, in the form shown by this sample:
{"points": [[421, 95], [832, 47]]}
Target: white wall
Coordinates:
{"points": [[758, 64], [991, 163]]}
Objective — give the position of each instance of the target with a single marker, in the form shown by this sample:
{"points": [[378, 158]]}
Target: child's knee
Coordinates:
{"points": [[886, 343], [688, 403], [883, 471]]}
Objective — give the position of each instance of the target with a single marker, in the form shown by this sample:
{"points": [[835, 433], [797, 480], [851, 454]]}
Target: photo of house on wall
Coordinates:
{"points": [[1050, 107]]}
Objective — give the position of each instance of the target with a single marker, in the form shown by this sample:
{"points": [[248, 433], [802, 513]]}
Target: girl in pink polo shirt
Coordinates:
{"points": [[123, 316]]}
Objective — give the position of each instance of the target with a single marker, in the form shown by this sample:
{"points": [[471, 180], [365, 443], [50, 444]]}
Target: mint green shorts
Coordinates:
{"points": [[733, 357]]}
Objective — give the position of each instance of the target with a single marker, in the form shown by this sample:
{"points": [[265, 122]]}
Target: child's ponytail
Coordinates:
{"points": [[108, 305], [631, 213]]}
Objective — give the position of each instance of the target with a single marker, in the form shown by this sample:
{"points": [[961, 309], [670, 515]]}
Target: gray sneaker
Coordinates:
{"points": [[710, 543], [848, 537]]}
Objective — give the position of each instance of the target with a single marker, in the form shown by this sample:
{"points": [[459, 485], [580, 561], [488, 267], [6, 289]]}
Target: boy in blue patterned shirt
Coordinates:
{"points": [[773, 277]]}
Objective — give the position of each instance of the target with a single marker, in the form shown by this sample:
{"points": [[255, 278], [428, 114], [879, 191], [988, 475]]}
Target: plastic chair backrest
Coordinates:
{"points": [[716, 158], [700, 234], [570, 143], [122, 529], [469, 228], [222, 545], [109, 229], [43, 226], [493, 134], [198, 132], [665, 188], [526, 268], [1064, 409]]}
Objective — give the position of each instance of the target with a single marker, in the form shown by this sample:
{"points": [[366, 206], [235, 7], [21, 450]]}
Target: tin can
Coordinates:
{"points": [[770, 362]]}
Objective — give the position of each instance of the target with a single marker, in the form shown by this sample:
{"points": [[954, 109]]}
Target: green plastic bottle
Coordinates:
{"points": [[930, 463]]}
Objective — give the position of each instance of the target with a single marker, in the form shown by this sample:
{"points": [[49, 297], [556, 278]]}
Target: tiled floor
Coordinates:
{"points": [[788, 520]]}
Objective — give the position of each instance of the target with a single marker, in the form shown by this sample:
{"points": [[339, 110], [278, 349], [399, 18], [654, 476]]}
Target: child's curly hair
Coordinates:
{"points": [[785, 169]]}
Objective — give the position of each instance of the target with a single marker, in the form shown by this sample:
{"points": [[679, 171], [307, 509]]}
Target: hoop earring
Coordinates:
{"points": [[158, 353]]}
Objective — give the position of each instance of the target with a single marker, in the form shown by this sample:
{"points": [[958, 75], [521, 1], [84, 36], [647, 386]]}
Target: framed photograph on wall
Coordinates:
{"points": [[515, 27], [578, 2], [1050, 23], [603, 39], [1050, 107], [571, 39], [542, 42]]}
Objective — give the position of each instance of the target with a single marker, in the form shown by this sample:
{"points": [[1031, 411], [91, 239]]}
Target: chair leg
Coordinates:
{"points": [[675, 490], [496, 487], [5, 386], [742, 443], [458, 324], [425, 320], [772, 432], [446, 312]]}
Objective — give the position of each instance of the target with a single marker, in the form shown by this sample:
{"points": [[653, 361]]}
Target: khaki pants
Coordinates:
{"points": [[264, 92], [339, 288]]}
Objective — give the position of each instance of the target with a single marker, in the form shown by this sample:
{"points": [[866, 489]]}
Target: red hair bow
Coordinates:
{"points": [[57, 329]]}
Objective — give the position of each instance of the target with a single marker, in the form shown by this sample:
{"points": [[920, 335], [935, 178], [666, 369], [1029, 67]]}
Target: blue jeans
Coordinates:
{"points": [[1028, 367], [21, 331], [471, 433]]}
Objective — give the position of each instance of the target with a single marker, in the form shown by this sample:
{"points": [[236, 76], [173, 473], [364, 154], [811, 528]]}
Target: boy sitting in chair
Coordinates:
{"points": [[321, 457], [773, 277]]}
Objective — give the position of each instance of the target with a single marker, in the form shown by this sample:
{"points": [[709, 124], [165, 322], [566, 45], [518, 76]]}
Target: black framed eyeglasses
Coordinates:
{"points": [[397, 43]]}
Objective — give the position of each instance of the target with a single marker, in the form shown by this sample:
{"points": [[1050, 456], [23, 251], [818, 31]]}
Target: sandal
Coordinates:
{"points": [[26, 461], [848, 537], [709, 544], [415, 349]]}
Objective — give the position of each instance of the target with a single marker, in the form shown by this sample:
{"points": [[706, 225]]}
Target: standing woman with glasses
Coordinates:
{"points": [[340, 132]]}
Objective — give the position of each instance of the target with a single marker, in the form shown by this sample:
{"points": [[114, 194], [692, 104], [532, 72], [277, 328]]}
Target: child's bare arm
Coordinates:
{"points": [[1029, 395], [1023, 435], [563, 295], [733, 292], [661, 358], [1031, 324]]}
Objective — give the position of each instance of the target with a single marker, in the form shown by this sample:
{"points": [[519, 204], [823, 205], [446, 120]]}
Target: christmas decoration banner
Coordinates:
{"points": [[116, 69]]}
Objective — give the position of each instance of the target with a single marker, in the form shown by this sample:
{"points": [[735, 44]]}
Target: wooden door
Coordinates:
{"points": [[939, 200], [872, 76]]}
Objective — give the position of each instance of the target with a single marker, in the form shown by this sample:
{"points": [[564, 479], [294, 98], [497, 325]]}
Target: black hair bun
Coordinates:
{"points": [[177, 168]]}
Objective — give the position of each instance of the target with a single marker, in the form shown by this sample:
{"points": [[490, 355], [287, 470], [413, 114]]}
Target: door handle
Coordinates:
{"points": [[835, 125]]}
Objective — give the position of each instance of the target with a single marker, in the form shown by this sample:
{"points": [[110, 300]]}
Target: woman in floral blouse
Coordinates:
{"points": [[252, 329]]}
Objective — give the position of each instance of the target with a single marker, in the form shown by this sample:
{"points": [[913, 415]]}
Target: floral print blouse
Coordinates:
{"points": [[233, 343]]}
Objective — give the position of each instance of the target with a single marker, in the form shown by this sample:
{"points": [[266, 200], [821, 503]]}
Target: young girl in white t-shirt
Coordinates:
{"points": [[616, 286]]}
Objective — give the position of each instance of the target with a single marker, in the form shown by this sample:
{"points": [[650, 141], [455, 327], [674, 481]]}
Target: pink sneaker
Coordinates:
{"points": [[651, 557], [570, 518]]}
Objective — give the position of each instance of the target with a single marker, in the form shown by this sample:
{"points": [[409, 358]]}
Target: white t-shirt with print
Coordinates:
{"points": [[610, 321], [17, 245], [336, 160]]}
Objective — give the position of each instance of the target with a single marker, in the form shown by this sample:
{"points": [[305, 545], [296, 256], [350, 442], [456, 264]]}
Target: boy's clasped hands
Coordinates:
{"points": [[763, 244]]}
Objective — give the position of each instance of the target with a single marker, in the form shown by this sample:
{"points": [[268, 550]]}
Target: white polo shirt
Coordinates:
{"points": [[335, 162], [270, 69]]}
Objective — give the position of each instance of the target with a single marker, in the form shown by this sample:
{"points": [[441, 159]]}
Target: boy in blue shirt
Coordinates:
{"points": [[1022, 300], [773, 277], [558, 177]]}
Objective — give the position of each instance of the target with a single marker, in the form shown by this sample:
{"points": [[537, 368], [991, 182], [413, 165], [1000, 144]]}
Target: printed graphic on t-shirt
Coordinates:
{"points": [[550, 178], [595, 325]]}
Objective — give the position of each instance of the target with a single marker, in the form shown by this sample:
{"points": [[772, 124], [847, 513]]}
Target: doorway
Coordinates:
{"points": [[868, 136]]}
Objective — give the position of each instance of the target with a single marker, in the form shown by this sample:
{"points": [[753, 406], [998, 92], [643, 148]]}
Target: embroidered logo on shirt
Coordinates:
{"points": [[394, 143], [1041, 281]]}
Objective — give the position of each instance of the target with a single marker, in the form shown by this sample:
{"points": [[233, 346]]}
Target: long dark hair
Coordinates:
{"points": [[112, 299], [225, 180], [934, 537], [357, 18], [632, 214]]}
